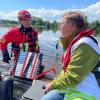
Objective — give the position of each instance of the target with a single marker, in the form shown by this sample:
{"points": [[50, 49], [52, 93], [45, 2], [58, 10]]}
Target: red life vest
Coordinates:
{"points": [[66, 56]]}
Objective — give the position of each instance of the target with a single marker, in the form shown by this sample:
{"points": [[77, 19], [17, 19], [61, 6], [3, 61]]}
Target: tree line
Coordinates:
{"points": [[37, 23], [41, 24]]}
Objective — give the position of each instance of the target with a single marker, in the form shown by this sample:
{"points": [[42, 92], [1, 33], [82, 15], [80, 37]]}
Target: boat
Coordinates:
{"points": [[28, 90], [24, 88]]}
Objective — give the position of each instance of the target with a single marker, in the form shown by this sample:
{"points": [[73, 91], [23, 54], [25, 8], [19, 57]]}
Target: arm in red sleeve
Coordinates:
{"points": [[7, 38]]}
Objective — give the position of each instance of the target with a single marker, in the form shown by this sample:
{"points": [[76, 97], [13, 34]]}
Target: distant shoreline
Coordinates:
{"points": [[8, 25]]}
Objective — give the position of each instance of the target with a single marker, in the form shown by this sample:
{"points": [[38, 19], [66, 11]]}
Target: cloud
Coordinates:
{"points": [[47, 13], [92, 12], [11, 15]]}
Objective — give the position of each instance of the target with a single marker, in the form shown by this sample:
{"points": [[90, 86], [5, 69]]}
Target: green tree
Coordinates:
{"points": [[96, 25], [47, 24], [54, 26], [37, 22]]}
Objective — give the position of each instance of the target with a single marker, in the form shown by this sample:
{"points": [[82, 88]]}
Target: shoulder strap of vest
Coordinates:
{"points": [[88, 41], [93, 39]]}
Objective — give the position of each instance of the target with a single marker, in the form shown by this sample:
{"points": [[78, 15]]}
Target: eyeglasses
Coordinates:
{"points": [[27, 15], [24, 16]]}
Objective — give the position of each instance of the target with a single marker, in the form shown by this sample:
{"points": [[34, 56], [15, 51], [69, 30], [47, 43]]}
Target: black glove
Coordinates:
{"points": [[6, 56]]}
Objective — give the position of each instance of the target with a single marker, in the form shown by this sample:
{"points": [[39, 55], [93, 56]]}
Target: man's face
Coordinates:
{"points": [[66, 27], [24, 17], [23, 20]]}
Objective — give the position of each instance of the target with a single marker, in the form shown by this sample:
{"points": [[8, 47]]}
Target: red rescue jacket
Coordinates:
{"points": [[16, 37]]}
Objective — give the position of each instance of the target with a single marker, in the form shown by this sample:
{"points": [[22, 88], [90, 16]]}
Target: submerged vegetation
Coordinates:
{"points": [[41, 24]]}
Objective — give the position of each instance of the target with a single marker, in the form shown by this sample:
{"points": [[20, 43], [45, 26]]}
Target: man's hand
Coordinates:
{"points": [[47, 88], [6, 56]]}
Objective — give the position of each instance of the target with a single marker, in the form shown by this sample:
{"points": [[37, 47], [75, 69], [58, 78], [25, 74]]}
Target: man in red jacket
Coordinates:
{"points": [[23, 37]]}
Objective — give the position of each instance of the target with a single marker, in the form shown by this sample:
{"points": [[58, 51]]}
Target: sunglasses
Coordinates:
{"points": [[24, 16]]}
